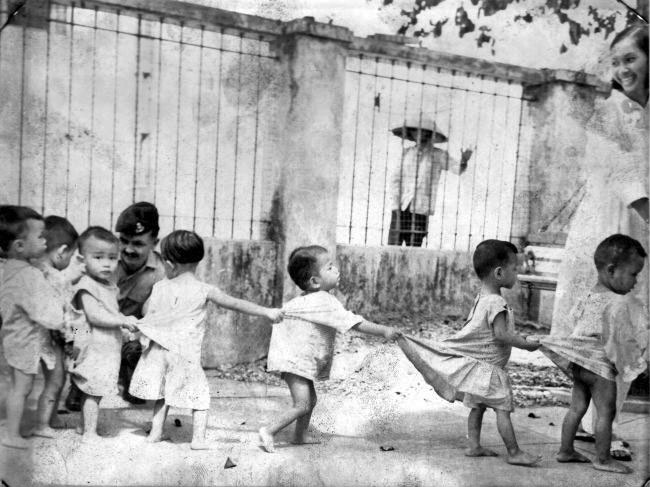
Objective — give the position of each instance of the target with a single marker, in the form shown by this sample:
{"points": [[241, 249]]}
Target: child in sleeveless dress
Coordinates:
{"points": [[470, 365]]}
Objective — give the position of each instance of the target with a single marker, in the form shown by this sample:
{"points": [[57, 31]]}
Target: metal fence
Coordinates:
{"points": [[107, 109], [476, 114]]}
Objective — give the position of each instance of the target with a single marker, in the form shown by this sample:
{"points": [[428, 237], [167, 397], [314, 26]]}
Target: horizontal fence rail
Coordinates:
{"points": [[480, 118], [107, 109]]}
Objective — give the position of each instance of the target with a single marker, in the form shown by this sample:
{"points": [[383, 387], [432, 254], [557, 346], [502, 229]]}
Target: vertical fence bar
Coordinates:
{"points": [[216, 153], [69, 126], [46, 107], [445, 174], [198, 128], [487, 186], [462, 147], [372, 146], [237, 121], [476, 140], [158, 85], [354, 157], [257, 117], [178, 122], [505, 135], [519, 129], [137, 106], [114, 142], [418, 160], [386, 166], [92, 117]]}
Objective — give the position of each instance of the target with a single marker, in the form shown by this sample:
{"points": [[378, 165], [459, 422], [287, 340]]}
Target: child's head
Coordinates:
{"points": [[21, 232], [496, 261], [619, 259], [61, 238], [100, 250], [181, 250], [312, 269]]}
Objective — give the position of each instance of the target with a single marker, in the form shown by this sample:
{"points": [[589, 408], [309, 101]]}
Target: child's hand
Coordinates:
{"points": [[275, 314], [533, 342], [131, 325], [391, 334]]}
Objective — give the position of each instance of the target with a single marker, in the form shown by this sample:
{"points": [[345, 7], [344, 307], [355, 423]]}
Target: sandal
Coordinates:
{"points": [[620, 452]]}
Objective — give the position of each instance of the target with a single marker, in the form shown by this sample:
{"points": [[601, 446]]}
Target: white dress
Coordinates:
{"points": [[617, 148]]}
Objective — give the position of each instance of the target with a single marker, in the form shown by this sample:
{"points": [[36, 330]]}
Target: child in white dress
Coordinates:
{"points": [[169, 371], [96, 367], [30, 309], [470, 365], [302, 345], [607, 349]]}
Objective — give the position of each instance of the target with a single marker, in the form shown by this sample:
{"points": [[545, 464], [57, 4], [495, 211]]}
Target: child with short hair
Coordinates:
{"points": [[169, 370], [607, 349], [61, 243], [30, 309], [470, 365], [97, 365], [302, 345]]}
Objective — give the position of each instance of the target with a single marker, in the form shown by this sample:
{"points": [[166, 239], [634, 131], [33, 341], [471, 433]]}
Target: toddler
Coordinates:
{"points": [[607, 349], [30, 309], [61, 243], [302, 345], [470, 365], [169, 371], [97, 364]]}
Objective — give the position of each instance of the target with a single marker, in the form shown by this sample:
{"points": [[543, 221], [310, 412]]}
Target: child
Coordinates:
{"points": [[606, 350], [61, 243], [97, 365], [29, 308], [470, 365], [169, 370], [302, 345]]}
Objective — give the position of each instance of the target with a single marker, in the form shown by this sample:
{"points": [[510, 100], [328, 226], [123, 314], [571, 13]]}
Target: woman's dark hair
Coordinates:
{"points": [[490, 254], [303, 263], [182, 247], [617, 249], [638, 32]]}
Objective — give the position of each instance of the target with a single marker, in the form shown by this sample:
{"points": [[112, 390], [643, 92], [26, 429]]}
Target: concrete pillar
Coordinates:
{"points": [[305, 201]]}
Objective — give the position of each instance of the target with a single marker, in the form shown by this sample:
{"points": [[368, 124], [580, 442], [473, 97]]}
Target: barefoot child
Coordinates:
{"points": [[61, 243], [169, 371], [470, 365], [302, 345], [30, 309], [97, 365], [606, 350]]}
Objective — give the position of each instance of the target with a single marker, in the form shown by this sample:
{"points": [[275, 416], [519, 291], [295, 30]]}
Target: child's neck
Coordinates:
{"points": [[490, 287], [99, 279], [17, 256]]}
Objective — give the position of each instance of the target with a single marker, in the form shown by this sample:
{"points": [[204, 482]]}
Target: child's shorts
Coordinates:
{"points": [[161, 374]]}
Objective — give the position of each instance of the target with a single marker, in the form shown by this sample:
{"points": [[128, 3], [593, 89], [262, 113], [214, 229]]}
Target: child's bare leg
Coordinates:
{"points": [[21, 386], [580, 399], [301, 393], [516, 456], [301, 436], [200, 423], [604, 394], [474, 423], [49, 398], [90, 413], [160, 410]]}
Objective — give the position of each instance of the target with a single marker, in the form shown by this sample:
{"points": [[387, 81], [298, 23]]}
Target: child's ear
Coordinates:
{"points": [[610, 269], [314, 282], [498, 272]]}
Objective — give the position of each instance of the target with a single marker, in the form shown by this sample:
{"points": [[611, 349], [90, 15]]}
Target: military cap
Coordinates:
{"points": [[137, 219]]}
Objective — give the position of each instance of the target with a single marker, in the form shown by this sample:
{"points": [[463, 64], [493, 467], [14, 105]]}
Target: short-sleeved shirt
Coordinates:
{"points": [[97, 366], [29, 308], [303, 342], [135, 289]]}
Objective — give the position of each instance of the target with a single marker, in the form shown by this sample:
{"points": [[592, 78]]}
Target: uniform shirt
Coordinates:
{"points": [[135, 289]]}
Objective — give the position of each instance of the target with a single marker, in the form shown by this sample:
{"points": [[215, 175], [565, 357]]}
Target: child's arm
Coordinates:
{"points": [[371, 328], [218, 297], [514, 339], [98, 315]]}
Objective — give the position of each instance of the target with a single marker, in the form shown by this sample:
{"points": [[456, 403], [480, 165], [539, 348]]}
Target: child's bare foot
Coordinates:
{"points": [[305, 440], [43, 432], [201, 445], [267, 440], [480, 451], [524, 459], [571, 457], [89, 437], [15, 442], [611, 466], [155, 438]]}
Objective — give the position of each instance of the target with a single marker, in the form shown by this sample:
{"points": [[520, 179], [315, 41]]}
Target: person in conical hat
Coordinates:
{"points": [[415, 180]]}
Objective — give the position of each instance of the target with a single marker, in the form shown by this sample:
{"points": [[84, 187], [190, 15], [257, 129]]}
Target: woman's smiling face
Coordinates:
{"points": [[630, 67]]}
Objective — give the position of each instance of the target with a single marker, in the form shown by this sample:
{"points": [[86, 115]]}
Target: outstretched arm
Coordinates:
{"points": [[98, 315], [378, 330], [514, 339], [218, 297]]}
